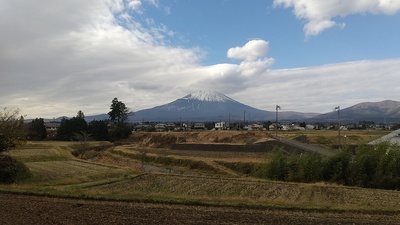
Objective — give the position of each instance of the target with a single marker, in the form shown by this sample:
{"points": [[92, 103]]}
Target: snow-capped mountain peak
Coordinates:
{"points": [[208, 96], [207, 106]]}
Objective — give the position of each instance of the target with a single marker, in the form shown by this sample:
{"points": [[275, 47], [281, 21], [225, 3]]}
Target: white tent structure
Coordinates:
{"points": [[392, 138]]}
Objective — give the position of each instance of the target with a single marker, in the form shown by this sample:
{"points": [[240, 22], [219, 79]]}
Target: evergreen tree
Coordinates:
{"points": [[37, 129], [119, 117], [80, 114], [69, 127], [119, 112], [98, 130]]}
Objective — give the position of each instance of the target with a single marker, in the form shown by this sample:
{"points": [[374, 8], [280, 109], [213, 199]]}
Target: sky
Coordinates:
{"points": [[59, 57]]}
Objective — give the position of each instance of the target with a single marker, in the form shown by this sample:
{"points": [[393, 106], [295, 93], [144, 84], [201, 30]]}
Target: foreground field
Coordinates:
{"points": [[22, 209], [143, 181]]}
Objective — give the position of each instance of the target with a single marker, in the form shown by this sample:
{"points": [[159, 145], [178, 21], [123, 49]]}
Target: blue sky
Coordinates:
{"points": [[216, 26], [306, 55]]}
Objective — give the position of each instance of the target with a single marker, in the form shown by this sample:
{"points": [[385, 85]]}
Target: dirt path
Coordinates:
{"points": [[305, 147], [222, 168], [22, 209]]}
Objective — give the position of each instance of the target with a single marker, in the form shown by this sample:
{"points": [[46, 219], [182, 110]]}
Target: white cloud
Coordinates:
{"points": [[319, 89], [229, 78], [251, 51], [75, 55], [135, 4], [255, 68], [320, 14], [66, 60]]}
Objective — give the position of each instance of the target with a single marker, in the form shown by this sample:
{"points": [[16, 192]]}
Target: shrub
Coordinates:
{"points": [[306, 167], [388, 167], [12, 170], [277, 168], [337, 167], [364, 166]]}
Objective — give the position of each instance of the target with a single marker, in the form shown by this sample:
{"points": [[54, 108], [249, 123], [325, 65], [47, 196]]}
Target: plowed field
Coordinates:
{"points": [[22, 209]]}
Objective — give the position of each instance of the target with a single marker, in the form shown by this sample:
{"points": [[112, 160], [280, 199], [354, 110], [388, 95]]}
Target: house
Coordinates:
{"points": [[285, 127], [255, 126], [170, 126], [274, 126], [310, 127], [297, 127], [51, 129], [160, 126], [141, 127], [51, 126], [199, 126], [220, 126]]}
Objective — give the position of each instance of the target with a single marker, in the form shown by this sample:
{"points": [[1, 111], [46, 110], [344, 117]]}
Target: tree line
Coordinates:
{"points": [[77, 128], [13, 132], [368, 166]]}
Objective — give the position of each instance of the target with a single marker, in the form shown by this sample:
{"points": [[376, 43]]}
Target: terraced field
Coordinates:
{"points": [[244, 191], [55, 170], [52, 163], [161, 185]]}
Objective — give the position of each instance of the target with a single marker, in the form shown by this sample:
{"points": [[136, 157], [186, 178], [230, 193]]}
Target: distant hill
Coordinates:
{"points": [[210, 106], [387, 110], [104, 116]]}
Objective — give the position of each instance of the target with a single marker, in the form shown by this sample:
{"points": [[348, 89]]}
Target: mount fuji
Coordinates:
{"points": [[210, 106]]}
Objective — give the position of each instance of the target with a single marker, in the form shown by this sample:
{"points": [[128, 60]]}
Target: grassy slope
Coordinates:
{"points": [[53, 164]]}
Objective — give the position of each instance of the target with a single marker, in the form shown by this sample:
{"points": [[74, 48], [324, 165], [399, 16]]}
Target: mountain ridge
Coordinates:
{"points": [[214, 106], [383, 111], [210, 106]]}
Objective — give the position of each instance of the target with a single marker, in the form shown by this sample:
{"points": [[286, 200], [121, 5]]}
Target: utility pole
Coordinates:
{"points": [[229, 121], [337, 108], [276, 120], [244, 118]]}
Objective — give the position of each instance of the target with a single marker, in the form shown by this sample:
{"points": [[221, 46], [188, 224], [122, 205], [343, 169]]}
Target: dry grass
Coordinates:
{"points": [[59, 170], [52, 163], [243, 191], [353, 137], [166, 139], [203, 155]]}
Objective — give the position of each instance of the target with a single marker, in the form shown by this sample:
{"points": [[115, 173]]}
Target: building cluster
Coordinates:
{"points": [[52, 127]]}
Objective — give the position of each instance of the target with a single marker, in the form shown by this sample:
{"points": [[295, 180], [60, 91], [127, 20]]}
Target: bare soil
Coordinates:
{"points": [[23, 209]]}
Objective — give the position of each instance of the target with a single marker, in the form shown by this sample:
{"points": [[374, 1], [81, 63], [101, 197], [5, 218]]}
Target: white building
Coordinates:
{"points": [[220, 126]]}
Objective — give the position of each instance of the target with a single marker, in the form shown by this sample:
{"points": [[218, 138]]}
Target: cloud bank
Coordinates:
{"points": [[320, 14], [60, 57]]}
